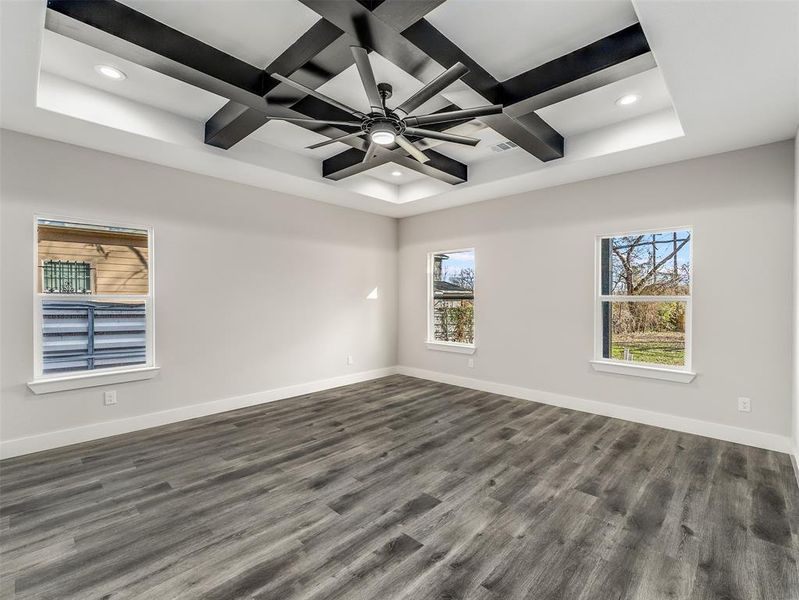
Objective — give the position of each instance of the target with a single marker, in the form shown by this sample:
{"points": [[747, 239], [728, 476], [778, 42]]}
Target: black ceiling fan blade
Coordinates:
{"points": [[371, 152], [367, 78], [440, 135], [318, 95], [454, 115], [406, 145], [449, 76], [342, 138], [318, 122]]}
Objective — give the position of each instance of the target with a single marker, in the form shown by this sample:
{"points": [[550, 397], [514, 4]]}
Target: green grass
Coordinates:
{"points": [[658, 349]]}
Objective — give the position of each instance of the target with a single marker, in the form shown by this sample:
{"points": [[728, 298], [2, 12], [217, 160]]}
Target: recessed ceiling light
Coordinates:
{"points": [[396, 173], [110, 72], [628, 99]]}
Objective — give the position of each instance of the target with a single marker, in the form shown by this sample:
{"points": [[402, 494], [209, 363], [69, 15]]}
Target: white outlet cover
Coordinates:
{"points": [[745, 404]]}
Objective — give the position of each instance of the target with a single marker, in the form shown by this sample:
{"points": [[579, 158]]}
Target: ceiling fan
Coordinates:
{"points": [[385, 126]]}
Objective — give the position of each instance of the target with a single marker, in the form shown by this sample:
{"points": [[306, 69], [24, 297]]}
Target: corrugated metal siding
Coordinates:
{"points": [[86, 335]]}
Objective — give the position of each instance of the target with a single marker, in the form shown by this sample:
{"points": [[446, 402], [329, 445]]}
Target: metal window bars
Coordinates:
{"points": [[66, 277]]}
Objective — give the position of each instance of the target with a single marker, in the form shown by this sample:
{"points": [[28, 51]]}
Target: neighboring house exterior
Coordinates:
{"points": [[87, 261]]}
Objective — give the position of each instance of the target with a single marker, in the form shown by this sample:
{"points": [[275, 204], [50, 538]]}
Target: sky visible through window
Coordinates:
{"points": [[456, 262]]}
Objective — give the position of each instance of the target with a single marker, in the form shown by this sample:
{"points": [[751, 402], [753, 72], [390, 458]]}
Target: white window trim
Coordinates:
{"points": [[43, 384], [683, 374], [47, 385], [452, 347], [431, 342]]}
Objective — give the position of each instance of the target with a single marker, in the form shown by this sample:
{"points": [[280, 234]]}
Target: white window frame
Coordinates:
{"points": [[679, 374], [41, 383], [431, 342]]}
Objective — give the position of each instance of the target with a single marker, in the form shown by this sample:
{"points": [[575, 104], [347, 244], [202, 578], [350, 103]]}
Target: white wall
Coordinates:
{"points": [[796, 303], [255, 290], [535, 276], [297, 273]]}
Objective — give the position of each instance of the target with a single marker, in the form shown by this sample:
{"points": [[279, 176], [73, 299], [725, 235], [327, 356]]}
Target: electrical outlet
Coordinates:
{"points": [[110, 398], [471, 363], [349, 359], [745, 404]]}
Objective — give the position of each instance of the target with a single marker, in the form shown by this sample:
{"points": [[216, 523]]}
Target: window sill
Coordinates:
{"points": [[47, 385], [452, 347], [651, 372]]}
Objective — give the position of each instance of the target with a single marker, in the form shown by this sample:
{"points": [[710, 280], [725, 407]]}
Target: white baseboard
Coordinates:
{"points": [[749, 437], [795, 461], [65, 437]]}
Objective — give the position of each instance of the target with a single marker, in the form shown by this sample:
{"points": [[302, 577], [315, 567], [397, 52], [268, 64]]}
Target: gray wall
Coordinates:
{"points": [[254, 290], [290, 301], [796, 302], [535, 277]]}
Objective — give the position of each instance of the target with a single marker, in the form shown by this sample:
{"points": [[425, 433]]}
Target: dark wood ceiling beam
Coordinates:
{"points": [[116, 28], [119, 30], [319, 55], [602, 54], [594, 81]]}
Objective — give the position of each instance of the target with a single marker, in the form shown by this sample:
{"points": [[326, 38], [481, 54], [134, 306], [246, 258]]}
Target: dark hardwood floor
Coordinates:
{"points": [[401, 489]]}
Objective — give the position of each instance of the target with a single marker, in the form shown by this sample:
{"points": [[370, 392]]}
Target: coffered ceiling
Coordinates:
{"points": [[557, 67]]}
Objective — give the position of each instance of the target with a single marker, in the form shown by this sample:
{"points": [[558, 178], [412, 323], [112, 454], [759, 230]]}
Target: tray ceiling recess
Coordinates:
{"points": [[345, 34]]}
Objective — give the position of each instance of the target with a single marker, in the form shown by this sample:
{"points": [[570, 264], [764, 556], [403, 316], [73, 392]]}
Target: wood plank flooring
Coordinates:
{"points": [[401, 488]]}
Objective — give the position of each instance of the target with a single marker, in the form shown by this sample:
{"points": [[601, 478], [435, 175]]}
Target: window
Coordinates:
{"points": [[66, 277], [93, 299], [644, 300], [451, 300]]}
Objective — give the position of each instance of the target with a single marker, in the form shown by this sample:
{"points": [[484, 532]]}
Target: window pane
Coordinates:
{"points": [[82, 335], [453, 297], [652, 264], [644, 332], [79, 258]]}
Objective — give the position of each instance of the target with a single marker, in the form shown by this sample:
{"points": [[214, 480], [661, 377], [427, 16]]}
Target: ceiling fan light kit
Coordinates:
{"points": [[383, 132]]}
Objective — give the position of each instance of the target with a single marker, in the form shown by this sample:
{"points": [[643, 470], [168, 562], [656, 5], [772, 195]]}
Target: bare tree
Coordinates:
{"points": [[463, 278], [637, 268]]}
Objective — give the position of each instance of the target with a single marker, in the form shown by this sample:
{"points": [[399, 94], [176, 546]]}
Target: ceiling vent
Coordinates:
{"points": [[503, 146]]}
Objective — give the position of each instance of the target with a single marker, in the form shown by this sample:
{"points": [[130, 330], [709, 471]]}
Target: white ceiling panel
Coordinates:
{"points": [[73, 60], [256, 32], [598, 108], [508, 37]]}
